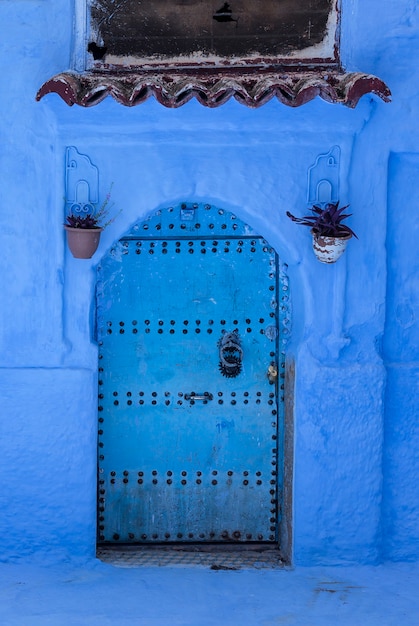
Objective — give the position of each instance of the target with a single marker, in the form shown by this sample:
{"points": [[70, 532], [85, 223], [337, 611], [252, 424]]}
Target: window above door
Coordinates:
{"points": [[211, 33], [211, 50]]}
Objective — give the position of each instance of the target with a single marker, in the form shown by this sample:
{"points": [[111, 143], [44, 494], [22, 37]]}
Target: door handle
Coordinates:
{"points": [[199, 396]]}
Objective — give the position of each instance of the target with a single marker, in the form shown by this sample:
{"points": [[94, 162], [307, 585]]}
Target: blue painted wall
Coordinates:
{"points": [[355, 330]]}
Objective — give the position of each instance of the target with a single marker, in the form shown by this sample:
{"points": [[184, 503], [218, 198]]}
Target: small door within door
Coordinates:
{"points": [[188, 415]]}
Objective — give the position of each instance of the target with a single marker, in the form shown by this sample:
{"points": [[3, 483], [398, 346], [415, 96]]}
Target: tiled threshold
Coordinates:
{"points": [[215, 557]]}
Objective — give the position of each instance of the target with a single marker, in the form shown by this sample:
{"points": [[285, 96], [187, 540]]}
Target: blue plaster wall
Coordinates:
{"points": [[355, 329]]}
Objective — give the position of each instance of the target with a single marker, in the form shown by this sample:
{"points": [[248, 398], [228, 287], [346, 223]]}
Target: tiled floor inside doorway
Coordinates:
{"points": [[215, 557]]}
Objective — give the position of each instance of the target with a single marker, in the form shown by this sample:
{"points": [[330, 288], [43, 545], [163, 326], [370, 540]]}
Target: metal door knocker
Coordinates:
{"points": [[231, 354]]}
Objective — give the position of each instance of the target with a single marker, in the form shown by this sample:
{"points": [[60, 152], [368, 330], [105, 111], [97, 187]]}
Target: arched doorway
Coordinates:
{"points": [[190, 312]]}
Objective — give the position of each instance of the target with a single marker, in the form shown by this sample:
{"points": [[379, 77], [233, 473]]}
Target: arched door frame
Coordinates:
{"points": [[180, 221]]}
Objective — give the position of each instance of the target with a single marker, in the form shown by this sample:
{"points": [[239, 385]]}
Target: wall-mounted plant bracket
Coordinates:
{"points": [[81, 199], [81, 183], [323, 178], [330, 236]]}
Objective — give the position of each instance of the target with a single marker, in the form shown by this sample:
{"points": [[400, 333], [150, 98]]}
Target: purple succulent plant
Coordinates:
{"points": [[326, 221], [87, 221]]}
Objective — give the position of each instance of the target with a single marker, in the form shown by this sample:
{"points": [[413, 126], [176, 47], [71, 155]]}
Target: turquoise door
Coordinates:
{"points": [[188, 360]]}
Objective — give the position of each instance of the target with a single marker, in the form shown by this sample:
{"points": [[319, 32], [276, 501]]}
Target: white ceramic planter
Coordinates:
{"points": [[329, 249]]}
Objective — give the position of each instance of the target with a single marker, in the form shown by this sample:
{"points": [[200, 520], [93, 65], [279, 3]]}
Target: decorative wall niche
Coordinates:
{"points": [[81, 182], [323, 178]]}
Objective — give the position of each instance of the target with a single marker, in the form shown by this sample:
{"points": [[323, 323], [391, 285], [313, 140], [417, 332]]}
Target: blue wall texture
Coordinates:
{"points": [[355, 331]]}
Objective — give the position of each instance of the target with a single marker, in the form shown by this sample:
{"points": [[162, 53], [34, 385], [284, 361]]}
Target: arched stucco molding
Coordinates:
{"points": [[205, 222]]}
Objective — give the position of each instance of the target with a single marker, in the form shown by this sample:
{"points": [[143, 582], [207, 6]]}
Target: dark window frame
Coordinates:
{"points": [[95, 43]]}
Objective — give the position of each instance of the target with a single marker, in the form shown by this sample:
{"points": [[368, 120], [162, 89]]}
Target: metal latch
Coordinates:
{"points": [[187, 214], [272, 373], [199, 396]]}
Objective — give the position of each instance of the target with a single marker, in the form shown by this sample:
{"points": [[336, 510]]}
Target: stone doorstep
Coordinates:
{"points": [[215, 557]]}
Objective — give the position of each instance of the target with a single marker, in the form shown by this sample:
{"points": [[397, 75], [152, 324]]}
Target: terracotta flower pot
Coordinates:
{"points": [[83, 242], [329, 249]]}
